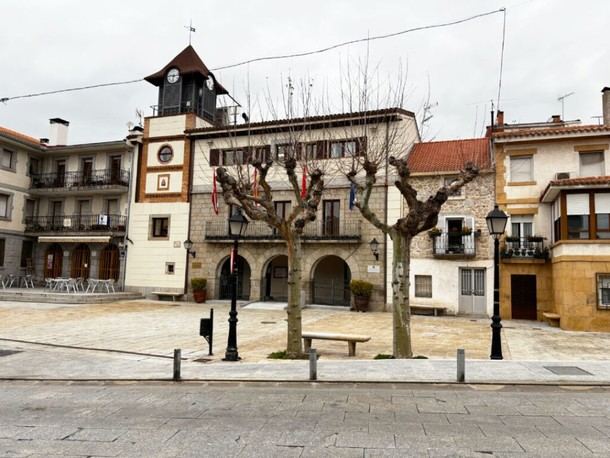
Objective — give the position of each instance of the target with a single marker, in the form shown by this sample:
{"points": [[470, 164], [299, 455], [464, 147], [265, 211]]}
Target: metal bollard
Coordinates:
{"points": [[461, 365], [313, 364], [177, 360]]}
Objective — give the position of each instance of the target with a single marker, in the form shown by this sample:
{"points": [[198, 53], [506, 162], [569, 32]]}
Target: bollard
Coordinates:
{"points": [[461, 365], [313, 363], [177, 360]]}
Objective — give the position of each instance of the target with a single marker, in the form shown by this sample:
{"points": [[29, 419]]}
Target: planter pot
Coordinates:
{"points": [[361, 303], [199, 296]]}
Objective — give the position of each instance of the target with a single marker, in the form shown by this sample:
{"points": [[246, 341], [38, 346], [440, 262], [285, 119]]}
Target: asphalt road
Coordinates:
{"points": [[300, 419]]}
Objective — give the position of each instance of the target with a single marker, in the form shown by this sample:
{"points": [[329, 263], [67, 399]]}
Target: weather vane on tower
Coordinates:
{"points": [[191, 29]]}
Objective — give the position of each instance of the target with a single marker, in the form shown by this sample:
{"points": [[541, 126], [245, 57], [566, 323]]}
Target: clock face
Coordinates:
{"points": [[210, 83], [173, 75]]}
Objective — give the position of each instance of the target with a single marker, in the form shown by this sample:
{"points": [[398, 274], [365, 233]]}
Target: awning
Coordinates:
{"points": [[75, 239]]}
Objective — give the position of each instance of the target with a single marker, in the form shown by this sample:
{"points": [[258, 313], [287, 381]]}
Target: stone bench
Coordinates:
{"points": [[436, 309], [553, 319], [160, 294], [349, 338]]}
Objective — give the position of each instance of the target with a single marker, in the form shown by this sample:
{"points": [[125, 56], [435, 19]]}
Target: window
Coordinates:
{"points": [[282, 208], [345, 148], [160, 227], [283, 150], [87, 170], [447, 181], [27, 249], [4, 208], [34, 168], [423, 286], [522, 227], [311, 151], [165, 154], [602, 215], [7, 160], [521, 169], [330, 223], [577, 206], [592, 164], [170, 268], [29, 210], [233, 157], [603, 291]]}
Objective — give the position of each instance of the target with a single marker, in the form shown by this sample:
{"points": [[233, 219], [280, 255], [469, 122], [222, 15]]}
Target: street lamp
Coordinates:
{"points": [[237, 228], [374, 244], [496, 223], [188, 245]]}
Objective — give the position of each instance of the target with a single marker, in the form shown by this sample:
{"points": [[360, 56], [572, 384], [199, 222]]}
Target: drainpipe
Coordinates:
{"points": [[385, 212], [190, 202]]}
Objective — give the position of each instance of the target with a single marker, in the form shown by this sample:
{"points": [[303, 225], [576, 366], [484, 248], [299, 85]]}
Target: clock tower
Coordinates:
{"points": [[160, 204]]}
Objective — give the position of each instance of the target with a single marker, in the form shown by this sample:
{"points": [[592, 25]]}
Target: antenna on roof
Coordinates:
{"points": [[599, 119], [562, 99], [191, 29]]}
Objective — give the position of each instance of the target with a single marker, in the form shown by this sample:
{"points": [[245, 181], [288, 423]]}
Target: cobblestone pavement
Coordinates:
{"points": [[351, 420], [153, 327]]}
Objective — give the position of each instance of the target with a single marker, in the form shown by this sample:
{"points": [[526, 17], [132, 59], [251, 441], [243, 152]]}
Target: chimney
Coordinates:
{"points": [[606, 105], [499, 127], [556, 118], [44, 141], [59, 132]]}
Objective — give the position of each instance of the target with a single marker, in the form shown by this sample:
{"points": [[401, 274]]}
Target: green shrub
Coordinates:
{"points": [[199, 284], [361, 288]]}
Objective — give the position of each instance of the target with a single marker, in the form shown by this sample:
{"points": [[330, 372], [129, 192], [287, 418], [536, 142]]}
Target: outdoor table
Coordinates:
{"points": [[92, 283], [26, 280]]}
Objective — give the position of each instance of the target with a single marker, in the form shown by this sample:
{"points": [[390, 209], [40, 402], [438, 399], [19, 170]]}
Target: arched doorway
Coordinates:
{"points": [[331, 277], [110, 263], [53, 261], [80, 261], [243, 279], [275, 279]]}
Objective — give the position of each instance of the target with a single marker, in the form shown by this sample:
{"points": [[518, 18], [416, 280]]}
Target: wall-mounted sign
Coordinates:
{"points": [[373, 269]]}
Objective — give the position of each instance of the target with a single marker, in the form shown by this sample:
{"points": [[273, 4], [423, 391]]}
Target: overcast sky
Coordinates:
{"points": [[553, 47]]}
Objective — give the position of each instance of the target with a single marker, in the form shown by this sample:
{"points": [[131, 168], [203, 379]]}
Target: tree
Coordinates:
{"points": [[422, 215]]}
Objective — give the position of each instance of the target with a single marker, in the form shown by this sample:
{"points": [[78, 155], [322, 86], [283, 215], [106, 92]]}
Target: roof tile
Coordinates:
{"points": [[19, 136], [449, 155]]}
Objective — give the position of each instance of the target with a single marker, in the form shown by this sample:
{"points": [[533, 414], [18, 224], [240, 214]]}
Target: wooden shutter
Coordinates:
{"points": [[214, 157]]}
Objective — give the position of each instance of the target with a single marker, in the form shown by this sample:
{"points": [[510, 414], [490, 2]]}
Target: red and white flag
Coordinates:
{"points": [[215, 195], [304, 183]]}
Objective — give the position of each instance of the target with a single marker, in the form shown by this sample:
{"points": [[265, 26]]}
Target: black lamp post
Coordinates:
{"points": [[237, 228], [374, 244], [188, 245], [496, 223]]}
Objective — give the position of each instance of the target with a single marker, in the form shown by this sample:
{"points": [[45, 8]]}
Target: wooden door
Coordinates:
{"points": [[53, 261], [523, 297], [110, 263], [331, 217], [80, 262], [115, 169]]}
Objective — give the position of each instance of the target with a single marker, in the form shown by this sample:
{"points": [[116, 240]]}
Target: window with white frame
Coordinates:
{"points": [[447, 181], [603, 291], [592, 164], [602, 215], [4, 205], [423, 286], [521, 169], [7, 159], [577, 206], [521, 226]]}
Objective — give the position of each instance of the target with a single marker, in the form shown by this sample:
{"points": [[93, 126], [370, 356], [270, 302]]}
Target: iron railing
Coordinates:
{"points": [[76, 223], [525, 247], [259, 230], [454, 245], [81, 179]]}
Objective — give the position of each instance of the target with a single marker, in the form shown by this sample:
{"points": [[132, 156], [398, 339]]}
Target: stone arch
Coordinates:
{"points": [[274, 279], [330, 276], [223, 278]]}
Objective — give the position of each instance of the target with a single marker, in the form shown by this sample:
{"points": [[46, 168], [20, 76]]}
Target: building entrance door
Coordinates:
{"points": [[523, 301], [472, 291]]}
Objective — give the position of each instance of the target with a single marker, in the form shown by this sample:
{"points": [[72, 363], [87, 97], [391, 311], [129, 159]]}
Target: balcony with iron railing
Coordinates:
{"points": [[85, 180], [458, 245], [258, 231], [531, 247], [63, 224]]}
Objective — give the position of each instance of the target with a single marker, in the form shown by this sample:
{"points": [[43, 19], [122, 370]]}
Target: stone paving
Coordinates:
{"points": [[302, 420]]}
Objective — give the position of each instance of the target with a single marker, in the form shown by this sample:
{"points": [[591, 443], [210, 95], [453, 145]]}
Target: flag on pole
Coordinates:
{"points": [[215, 195], [352, 196], [304, 183]]}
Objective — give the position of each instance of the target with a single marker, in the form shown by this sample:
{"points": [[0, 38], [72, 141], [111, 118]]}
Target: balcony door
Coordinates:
{"points": [[472, 291], [60, 171], [57, 214], [455, 241], [115, 169], [87, 171], [80, 262], [331, 215], [84, 214]]}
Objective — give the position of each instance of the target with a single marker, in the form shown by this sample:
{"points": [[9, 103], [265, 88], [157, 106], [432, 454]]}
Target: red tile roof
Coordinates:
{"points": [[545, 131], [19, 136], [449, 156]]}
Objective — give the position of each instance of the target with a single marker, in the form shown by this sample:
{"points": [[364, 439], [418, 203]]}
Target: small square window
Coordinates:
{"points": [[170, 268], [592, 164], [603, 291], [7, 159], [447, 181], [160, 227], [423, 286], [521, 169], [4, 205]]}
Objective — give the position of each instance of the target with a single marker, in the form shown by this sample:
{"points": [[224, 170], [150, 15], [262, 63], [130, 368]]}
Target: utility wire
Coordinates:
{"points": [[287, 56]]}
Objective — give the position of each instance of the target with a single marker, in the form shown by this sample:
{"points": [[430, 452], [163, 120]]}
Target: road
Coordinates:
{"points": [[300, 419]]}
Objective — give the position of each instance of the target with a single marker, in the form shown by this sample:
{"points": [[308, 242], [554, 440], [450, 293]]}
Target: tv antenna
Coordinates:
{"points": [[599, 119], [562, 99]]}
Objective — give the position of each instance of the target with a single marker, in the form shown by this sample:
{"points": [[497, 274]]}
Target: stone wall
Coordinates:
{"points": [[356, 253], [12, 253]]}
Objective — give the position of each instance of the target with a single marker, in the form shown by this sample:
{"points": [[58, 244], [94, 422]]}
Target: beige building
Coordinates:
{"points": [[452, 265], [553, 180]]}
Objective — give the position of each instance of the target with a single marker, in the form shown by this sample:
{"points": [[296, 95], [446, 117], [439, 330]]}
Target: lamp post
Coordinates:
{"points": [[188, 245], [496, 223], [237, 228], [374, 244]]}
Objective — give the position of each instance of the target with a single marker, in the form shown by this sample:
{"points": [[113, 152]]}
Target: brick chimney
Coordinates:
{"points": [[556, 118], [499, 121], [606, 105], [59, 132]]}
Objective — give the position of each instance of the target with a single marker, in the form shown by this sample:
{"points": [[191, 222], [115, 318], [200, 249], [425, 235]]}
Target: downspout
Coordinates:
{"points": [[385, 217], [189, 200], [135, 145]]}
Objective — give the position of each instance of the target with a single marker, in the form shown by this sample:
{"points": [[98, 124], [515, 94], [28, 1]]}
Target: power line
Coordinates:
{"points": [[288, 56]]}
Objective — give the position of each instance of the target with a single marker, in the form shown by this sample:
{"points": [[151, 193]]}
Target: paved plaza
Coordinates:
{"points": [[41, 419]]}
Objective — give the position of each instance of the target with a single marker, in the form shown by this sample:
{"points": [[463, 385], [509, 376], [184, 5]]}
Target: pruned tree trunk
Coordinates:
{"points": [[400, 296], [294, 346]]}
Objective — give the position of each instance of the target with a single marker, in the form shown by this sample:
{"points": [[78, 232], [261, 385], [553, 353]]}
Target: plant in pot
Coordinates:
{"points": [[199, 286], [435, 232], [361, 290]]}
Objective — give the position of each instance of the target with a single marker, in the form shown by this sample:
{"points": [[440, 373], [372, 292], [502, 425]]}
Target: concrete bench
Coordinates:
{"points": [[161, 294], [436, 309], [553, 319], [350, 339]]}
